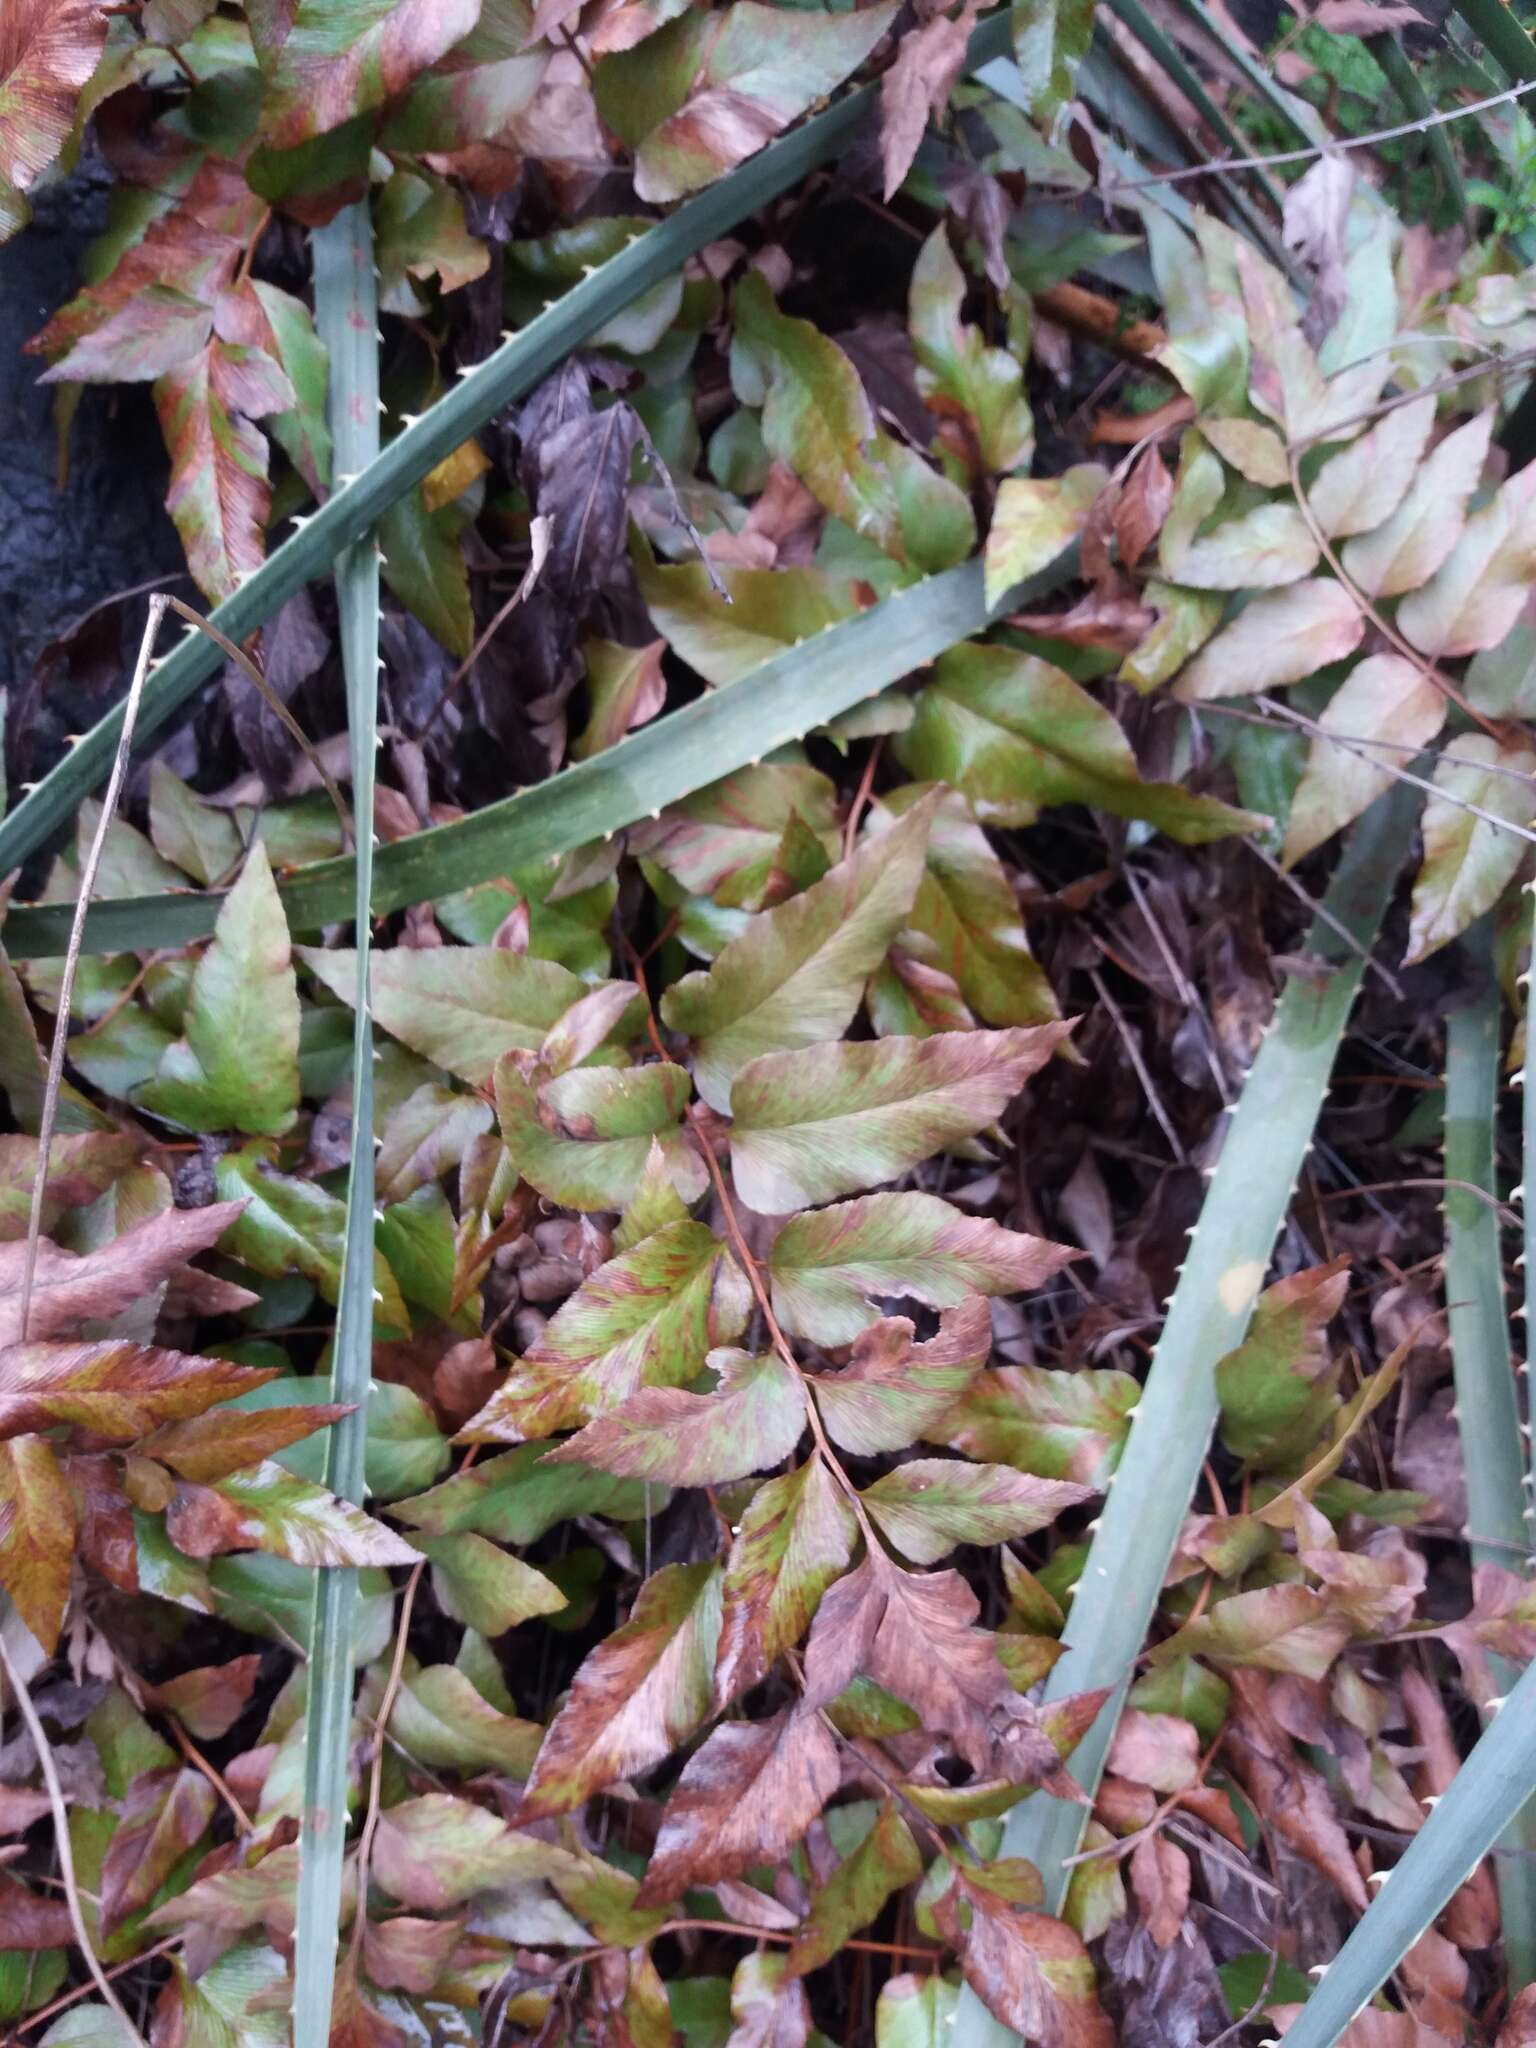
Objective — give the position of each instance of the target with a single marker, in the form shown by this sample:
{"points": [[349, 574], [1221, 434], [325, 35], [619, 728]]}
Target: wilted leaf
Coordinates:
{"points": [[1160, 1876], [1030, 1970], [769, 2006], [461, 1007], [753, 1420], [893, 1392], [827, 1120], [1291, 1795], [583, 1138], [113, 1389], [795, 1538], [269, 1509], [67, 1289], [1281, 637], [1468, 860], [208, 1701], [37, 1534], [976, 392], [1286, 1628], [47, 55], [1016, 734], [746, 1797], [637, 1695], [437, 1851], [915, 1636], [646, 1319], [1406, 550], [928, 61], [826, 1267], [928, 1505], [1384, 698], [794, 977], [1034, 520], [164, 1815]]}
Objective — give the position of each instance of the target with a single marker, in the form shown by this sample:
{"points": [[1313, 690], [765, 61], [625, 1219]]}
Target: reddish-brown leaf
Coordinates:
{"points": [[892, 1391], [915, 1636], [68, 1288], [334, 61], [1028, 1969], [219, 496], [1472, 1917], [163, 1816], [211, 1446], [113, 1389], [48, 50], [769, 2006], [918, 85], [28, 1922], [1519, 2028], [746, 1797], [37, 1535], [207, 1702], [408, 1954], [1290, 1794], [1141, 507], [795, 1538], [637, 1696], [106, 1536], [1160, 1880]]}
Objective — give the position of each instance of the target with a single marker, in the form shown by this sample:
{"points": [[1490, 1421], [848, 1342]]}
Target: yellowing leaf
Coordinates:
{"points": [[831, 1119], [928, 1505], [1405, 551], [1468, 860], [974, 391], [826, 1265], [269, 1509], [754, 1419], [1481, 588], [751, 72], [1358, 489], [1384, 698], [794, 977], [1282, 636], [461, 1007], [648, 1318], [583, 1138], [1034, 520], [1016, 734], [37, 1534]]}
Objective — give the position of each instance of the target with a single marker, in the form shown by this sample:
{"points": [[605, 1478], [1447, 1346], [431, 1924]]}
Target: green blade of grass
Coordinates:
{"points": [[776, 703], [1488, 1414], [523, 359], [346, 313], [1405, 81], [1501, 34], [1229, 1252]]}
